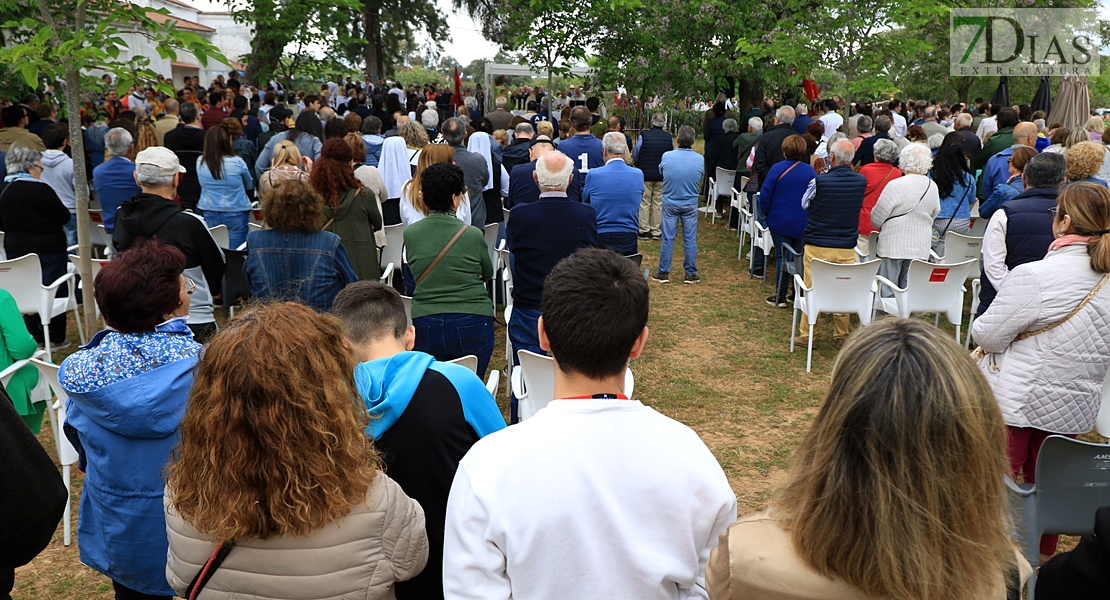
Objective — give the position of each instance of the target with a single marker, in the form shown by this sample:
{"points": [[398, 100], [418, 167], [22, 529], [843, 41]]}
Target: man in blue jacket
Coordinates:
{"points": [[583, 149], [114, 179], [424, 415], [682, 171], [615, 191]]}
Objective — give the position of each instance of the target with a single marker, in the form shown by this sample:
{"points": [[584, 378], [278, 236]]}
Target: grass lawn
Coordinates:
{"points": [[717, 359]]}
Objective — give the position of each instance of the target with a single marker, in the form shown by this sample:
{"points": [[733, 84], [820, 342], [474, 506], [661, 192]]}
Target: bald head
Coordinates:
{"points": [[1025, 133], [553, 172]]}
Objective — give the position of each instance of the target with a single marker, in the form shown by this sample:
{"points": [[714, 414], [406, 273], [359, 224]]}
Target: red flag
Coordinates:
{"points": [[809, 87], [457, 100]]}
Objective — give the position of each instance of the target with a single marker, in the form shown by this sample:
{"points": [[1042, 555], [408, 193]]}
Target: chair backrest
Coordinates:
{"points": [[67, 455], [978, 226], [872, 245], [236, 288], [839, 288], [96, 263], [407, 301], [723, 181], [637, 259], [395, 241], [1102, 422], [492, 381], [253, 227], [538, 372], [959, 248], [491, 241], [761, 238], [219, 233], [469, 361], [932, 287], [505, 212], [98, 236], [22, 277], [1073, 481]]}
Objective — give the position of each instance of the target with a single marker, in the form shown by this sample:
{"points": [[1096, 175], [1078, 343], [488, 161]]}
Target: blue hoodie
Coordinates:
{"points": [[127, 430], [388, 384]]}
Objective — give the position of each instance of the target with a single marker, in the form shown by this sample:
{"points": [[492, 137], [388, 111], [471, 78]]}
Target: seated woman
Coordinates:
{"points": [[1014, 184], [882, 171], [1084, 160], [127, 391], [17, 344], [294, 260], [452, 313], [350, 210], [955, 188], [286, 165], [1047, 333], [905, 213], [281, 468], [877, 497], [413, 208], [780, 199], [225, 182]]}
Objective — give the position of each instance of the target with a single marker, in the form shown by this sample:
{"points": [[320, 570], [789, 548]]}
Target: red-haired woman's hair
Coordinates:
{"points": [[333, 174], [140, 286]]}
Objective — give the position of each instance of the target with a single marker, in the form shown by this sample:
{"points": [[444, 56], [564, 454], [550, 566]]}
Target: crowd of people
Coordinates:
{"points": [[360, 462]]}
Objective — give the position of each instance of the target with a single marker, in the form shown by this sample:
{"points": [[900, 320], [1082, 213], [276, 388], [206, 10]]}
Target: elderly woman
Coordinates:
{"points": [[727, 158], [451, 263], [956, 187], [905, 213], [31, 217], [1014, 184], [1058, 139], [415, 136], [1084, 161], [286, 166], [878, 174], [780, 199], [1095, 126], [127, 392], [294, 260], [350, 209], [1046, 335], [297, 485]]}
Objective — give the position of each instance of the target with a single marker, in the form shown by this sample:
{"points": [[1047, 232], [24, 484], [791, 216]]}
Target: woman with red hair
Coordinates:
{"points": [[350, 210]]}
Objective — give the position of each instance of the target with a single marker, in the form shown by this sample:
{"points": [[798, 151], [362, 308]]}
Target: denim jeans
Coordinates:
{"points": [[688, 214], [524, 334], [622, 243], [71, 230], [448, 336], [783, 279], [236, 222]]}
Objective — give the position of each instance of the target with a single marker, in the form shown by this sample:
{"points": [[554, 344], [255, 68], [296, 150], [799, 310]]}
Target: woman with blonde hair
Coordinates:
{"points": [[286, 166], [279, 471], [413, 208], [1077, 136], [878, 500], [1095, 126], [148, 137], [1046, 336], [1084, 161]]}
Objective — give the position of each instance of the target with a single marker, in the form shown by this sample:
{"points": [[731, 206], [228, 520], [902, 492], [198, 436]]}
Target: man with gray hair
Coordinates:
{"points": [[648, 151], [682, 171], [474, 168], [834, 201], [802, 120], [500, 118], [930, 124], [539, 235], [517, 151], [152, 213], [168, 121], [615, 191], [114, 179], [1020, 231], [769, 149], [865, 154]]}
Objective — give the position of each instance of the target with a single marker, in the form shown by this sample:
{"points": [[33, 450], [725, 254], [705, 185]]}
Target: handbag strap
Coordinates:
{"points": [[928, 186], [442, 253], [788, 169], [209, 569], [1090, 295], [888, 174]]}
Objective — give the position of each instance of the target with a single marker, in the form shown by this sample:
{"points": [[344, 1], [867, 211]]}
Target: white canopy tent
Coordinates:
{"points": [[493, 69]]}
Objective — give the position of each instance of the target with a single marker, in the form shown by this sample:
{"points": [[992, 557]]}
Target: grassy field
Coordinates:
{"points": [[717, 359]]}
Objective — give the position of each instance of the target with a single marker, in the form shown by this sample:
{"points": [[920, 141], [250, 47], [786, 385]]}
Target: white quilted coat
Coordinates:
{"points": [[359, 557], [1053, 380]]}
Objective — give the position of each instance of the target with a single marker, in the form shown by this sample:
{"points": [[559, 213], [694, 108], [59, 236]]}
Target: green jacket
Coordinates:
{"points": [[743, 144], [17, 344], [355, 222], [999, 141], [458, 282]]}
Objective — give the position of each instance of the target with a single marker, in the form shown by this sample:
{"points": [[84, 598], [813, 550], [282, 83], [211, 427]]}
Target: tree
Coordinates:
{"points": [[69, 40]]}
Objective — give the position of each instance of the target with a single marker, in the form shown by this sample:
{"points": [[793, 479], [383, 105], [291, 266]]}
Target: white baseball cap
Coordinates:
{"points": [[162, 159]]}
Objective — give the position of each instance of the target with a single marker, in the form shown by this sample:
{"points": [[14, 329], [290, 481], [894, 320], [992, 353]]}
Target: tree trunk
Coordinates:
{"points": [[371, 29], [963, 87], [266, 47], [81, 191]]}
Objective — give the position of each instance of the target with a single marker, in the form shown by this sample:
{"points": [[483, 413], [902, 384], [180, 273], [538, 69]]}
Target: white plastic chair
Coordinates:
{"points": [[469, 361], [395, 241], [872, 244], [491, 383], [1102, 422], [975, 287], [506, 276], [3, 253], [219, 233], [761, 238], [387, 273], [534, 383], [98, 236], [253, 227], [959, 248], [978, 226], [508, 340], [747, 217], [835, 289], [75, 265], [719, 185], [929, 288], [407, 301], [22, 278]]}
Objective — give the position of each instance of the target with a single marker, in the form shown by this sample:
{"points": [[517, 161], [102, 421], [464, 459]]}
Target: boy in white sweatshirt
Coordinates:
{"points": [[597, 495], [57, 172]]}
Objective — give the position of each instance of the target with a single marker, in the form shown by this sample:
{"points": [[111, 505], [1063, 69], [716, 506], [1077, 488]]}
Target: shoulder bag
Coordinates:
{"points": [[442, 253], [208, 570], [978, 353]]}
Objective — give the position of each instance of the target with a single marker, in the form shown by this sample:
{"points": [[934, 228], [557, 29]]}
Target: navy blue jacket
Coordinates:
{"points": [[539, 235], [515, 154], [865, 155], [578, 147], [522, 187], [834, 212], [653, 143], [801, 122], [1028, 234]]}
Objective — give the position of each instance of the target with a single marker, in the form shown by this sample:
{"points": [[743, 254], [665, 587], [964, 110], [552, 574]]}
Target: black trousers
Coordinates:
{"points": [[126, 593]]}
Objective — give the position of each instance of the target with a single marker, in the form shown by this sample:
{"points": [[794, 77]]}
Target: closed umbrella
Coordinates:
{"points": [[1042, 100], [1001, 98], [1072, 108]]}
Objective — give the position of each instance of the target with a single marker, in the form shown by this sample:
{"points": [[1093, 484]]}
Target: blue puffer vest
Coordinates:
{"points": [[655, 143], [1028, 234], [834, 212]]}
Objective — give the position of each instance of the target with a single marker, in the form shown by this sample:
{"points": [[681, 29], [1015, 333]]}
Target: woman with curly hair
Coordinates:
{"points": [[279, 472], [1083, 162], [350, 209]]}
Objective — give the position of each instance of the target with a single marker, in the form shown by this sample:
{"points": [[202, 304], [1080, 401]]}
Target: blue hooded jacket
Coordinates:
{"points": [[127, 430], [387, 385]]}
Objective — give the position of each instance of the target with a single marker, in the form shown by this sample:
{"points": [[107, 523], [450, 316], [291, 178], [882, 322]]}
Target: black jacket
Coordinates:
{"points": [[769, 149], [515, 154], [149, 216], [727, 153], [32, 217], [188, 144], [1083, 572]]}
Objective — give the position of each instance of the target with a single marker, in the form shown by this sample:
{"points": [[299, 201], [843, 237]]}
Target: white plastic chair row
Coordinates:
{"points": [[471, 362], [719, 185], [395, 242], [56, 410], [533, 382], [22, 278], [929, 288]]}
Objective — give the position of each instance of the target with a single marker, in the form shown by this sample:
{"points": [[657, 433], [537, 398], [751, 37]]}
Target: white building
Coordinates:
{"points": [[231, 38]]}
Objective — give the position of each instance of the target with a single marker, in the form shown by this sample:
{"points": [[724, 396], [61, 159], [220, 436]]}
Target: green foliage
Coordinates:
{"points": [[419, 76]]}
